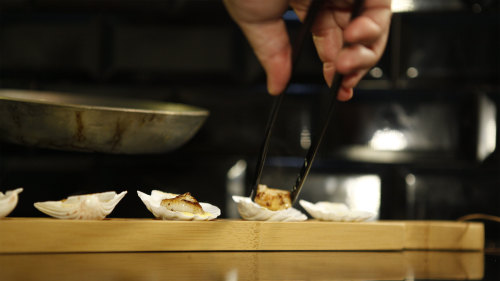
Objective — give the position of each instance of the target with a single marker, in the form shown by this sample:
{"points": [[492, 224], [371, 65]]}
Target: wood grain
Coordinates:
{"points": [[114, 235], [29, 235], [335, 265], [466, 265], [443, 235]]}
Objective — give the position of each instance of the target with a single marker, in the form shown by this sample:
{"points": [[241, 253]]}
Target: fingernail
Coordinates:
{"points": [[345, 94]]}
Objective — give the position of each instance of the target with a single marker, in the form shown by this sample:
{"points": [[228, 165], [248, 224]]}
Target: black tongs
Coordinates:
{"points": [[337, 79]]}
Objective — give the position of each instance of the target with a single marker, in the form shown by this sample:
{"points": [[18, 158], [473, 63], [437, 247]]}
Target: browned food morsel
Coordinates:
{"points": [[273, 199], [183, 203]]}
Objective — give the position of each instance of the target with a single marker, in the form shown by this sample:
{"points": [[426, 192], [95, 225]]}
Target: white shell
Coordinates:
{"points": [[328, 211], [250, 210], [82, 207], [153, 202], [8, 201]]}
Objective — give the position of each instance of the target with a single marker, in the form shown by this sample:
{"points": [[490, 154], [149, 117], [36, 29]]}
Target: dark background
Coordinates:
{"points": [[191, 52]]}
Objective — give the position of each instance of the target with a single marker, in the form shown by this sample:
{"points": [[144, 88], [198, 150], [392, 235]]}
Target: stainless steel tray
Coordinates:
{"points": [[96, 124]]}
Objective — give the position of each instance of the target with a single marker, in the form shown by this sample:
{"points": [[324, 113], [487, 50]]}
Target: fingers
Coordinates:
{"points": [[261, 22], [272, 47], [370, 29], [374, 21], [327, 37], [327, 34], [363, 30], [345, 94], [356, 57], [366, 35]]}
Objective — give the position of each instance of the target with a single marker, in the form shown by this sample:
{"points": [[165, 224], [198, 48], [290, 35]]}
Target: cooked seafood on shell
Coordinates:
{"points": [[170, 206], [183, 203], [270, 205], [329, 211], [273, 199], [8, 201], [250, 210], [94, 206]]}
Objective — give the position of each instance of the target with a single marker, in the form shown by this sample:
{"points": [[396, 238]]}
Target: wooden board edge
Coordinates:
{"points": [[26, 235], [443, 235]]}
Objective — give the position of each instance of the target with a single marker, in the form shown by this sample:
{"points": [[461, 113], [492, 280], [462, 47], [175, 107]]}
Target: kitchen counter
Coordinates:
{"points": [[147, 249], [319, 265], [47, 235]]}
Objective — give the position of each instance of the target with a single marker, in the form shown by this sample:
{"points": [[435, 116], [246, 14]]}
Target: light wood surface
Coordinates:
{"points": [[464, 265], [23, 235], [244, 266], [439, 235]]}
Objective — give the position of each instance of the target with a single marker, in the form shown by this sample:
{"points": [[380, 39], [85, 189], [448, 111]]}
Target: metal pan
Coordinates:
{"points": [[96, 124]]}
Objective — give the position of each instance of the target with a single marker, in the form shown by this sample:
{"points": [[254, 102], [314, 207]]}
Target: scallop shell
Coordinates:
{"points": [[153, 202], [329, 211], [250, 210], [94, 206], [8, 201]]}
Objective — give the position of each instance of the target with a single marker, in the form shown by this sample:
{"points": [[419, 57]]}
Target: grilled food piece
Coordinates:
{"points": [[273, 199], [183, 203], [153, 204]]}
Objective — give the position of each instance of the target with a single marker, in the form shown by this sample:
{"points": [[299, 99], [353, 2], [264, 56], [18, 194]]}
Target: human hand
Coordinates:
{"points": [[262, 23]]}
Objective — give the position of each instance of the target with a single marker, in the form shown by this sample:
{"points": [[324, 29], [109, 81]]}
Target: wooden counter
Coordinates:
{"points": [[45, 235], [230, 266]]}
